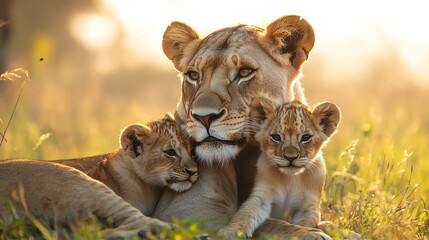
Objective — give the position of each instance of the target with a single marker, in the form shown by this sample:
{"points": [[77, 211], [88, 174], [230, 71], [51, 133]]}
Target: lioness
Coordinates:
{"points": [[150, 157], [291, 169], [221, 74]]}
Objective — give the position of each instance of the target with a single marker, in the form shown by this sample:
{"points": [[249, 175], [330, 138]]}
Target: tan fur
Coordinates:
{"points": [[221, 75], [150, 158], [83, 164], [64, 195], [140, 169], [291, 170]]}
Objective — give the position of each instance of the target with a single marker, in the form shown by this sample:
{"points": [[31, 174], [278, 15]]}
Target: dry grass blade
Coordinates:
{"points": [[1, 134], [42, 139], [43, 230], [15, 74]]}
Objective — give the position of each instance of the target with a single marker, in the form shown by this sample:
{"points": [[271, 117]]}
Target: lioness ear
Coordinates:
{"points": [[290, 38], [134, 137], [261, 108], [179, 40], [328, 116]]}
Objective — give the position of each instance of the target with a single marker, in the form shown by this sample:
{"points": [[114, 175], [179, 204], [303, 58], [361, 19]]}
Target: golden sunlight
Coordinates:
{"points": [[345, 31], [94, 31]]}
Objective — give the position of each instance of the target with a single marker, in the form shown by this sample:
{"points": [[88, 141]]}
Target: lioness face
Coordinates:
{"points": [[291, 136], [161, 154], [219, 86], [223, 72]]}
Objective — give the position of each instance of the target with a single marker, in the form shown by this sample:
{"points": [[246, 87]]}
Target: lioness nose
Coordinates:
{"points": [[190, 171], [206, 120], [207, 108]]}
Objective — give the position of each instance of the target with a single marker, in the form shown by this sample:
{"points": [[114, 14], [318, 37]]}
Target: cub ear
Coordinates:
{"points": [[169, 117], [179, 40], [328, 116], [290, 39], [261, 108], [134, 137]]}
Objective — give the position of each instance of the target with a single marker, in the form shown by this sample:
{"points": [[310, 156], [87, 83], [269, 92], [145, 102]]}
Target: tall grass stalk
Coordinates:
{"points": [[15, 74]]}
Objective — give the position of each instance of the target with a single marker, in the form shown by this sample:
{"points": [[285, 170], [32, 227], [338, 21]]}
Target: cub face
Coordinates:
{"points": [[160, 154], [292, 135]]}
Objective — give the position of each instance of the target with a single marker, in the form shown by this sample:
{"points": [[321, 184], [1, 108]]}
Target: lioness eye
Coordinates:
{"points": [[275, 138], [193, 75], [244, 72], [306, 138], [171, 153]]}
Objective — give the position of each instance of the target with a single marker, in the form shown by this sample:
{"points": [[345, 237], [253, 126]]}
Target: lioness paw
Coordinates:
{"points": [[142, 228]]}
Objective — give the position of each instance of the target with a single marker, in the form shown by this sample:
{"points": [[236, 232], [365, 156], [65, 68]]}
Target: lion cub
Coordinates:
{"points": [[150, 157], [291, 170]]}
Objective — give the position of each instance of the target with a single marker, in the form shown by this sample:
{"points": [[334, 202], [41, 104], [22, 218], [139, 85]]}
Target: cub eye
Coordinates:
{"points": [[275, 138], [193, 75], [306, 138], [171, 153], [244, 72]]}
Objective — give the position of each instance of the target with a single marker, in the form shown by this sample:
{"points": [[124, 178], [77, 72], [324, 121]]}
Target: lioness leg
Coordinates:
{"points": [[285, 230], [65, 195], [129, 221]]}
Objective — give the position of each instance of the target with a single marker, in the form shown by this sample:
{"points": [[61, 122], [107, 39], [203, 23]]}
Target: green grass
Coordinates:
{"points": [[28, 227], [379, 193], [377, 177]]}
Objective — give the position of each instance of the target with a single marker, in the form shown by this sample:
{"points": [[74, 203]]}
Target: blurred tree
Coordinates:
{"points": [[4, 32], [40, 41], [41, 31]]}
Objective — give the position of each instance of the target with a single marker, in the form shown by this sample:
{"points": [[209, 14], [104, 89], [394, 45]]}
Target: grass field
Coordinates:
{"points": [[377, 182]]}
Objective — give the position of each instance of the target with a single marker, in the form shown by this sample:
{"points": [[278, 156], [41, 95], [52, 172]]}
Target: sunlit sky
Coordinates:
{"points": [[346, 31]]}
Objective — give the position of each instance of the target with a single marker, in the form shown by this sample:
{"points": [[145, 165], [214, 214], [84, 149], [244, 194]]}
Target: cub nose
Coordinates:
{"points": [[291, 158], [206, 120], [191, 172], [291, 153]]}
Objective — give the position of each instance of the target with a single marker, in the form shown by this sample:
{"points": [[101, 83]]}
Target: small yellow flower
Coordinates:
{"points": [[178, 237], [193, 227]]}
